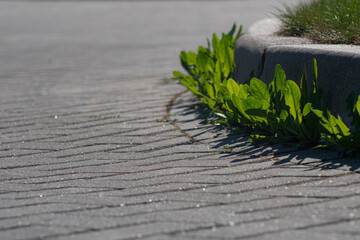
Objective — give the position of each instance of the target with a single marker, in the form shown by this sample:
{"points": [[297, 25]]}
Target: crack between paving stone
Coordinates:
{"points": [[167, 115]]}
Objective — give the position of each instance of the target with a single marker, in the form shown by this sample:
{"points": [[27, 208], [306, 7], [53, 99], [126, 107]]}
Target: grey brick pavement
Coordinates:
{"points": [[85, 153]]}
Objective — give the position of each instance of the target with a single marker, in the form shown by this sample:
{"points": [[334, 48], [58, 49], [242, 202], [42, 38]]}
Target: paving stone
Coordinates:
{"points": [[97, 143]]}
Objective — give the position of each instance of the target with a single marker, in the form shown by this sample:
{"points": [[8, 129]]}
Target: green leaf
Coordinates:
{"points": [[210, 102], [315, 75], [244, 91], [209, 90], [239, 33], [319, 114], [216, 44], [233, 87], [255, 109], [188, 61], [232, 31], [280, 78], [276, 88], [335, 126], [227, 67], [316, 97], [178, 75], [284, 115], [191, 88], [251, 104], [304, 89], [342, 128], [238, 103], [260, 89], [258, 138], [208, 43], [357, 105], [307, 109], [202, 61], [292, 99], [184, 61]]}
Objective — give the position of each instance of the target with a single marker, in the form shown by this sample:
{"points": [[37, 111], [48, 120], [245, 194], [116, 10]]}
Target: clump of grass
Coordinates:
{"points": [[324, 21]]}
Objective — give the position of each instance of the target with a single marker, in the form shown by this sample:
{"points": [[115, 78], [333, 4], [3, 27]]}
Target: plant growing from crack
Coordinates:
{"points": [[281, 111]]}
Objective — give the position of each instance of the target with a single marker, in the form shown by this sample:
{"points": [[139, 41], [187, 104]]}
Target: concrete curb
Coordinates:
{"points": [[258, 51]]}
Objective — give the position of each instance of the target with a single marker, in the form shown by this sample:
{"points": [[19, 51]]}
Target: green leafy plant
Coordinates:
{"points": [[337, 132], [281, 111], [210, 68]]}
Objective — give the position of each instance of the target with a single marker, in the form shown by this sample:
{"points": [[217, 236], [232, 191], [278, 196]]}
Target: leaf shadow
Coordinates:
{"points": [[243, 150]]}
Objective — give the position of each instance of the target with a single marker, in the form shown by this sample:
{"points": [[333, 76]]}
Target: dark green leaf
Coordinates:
{"points": [[304, 89]]}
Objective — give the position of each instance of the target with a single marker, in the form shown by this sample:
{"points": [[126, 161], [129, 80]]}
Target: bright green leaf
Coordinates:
{"points": [[260, 89], [357, 105], [292, 99], [280, 78], [307, 109], [304, 89], [233, 87]]}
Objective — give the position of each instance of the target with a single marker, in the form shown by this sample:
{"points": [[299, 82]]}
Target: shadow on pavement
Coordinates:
{"points": [[221, 137]]}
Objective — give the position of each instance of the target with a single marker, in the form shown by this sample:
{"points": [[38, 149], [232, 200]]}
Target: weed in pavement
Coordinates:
{"points": [[281, 111]]}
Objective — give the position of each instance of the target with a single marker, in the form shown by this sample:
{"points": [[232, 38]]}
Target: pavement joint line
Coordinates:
{"points": [[148, 134], [168, 161], [28, 140], [34, 190], [22, 125], [154, 149], [110, 123], [64, 149], [24, 154], [195, 229], [50, 114], [278, 185], [93, 229], [167, 115], [79, 178], [81, 122], [209, 205], [119, 173], [319, 178], [28, 205], [56, 175], [41, 164], [319, 200], [56, 195], [305, 227], [172, 174], [227, 184]]}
